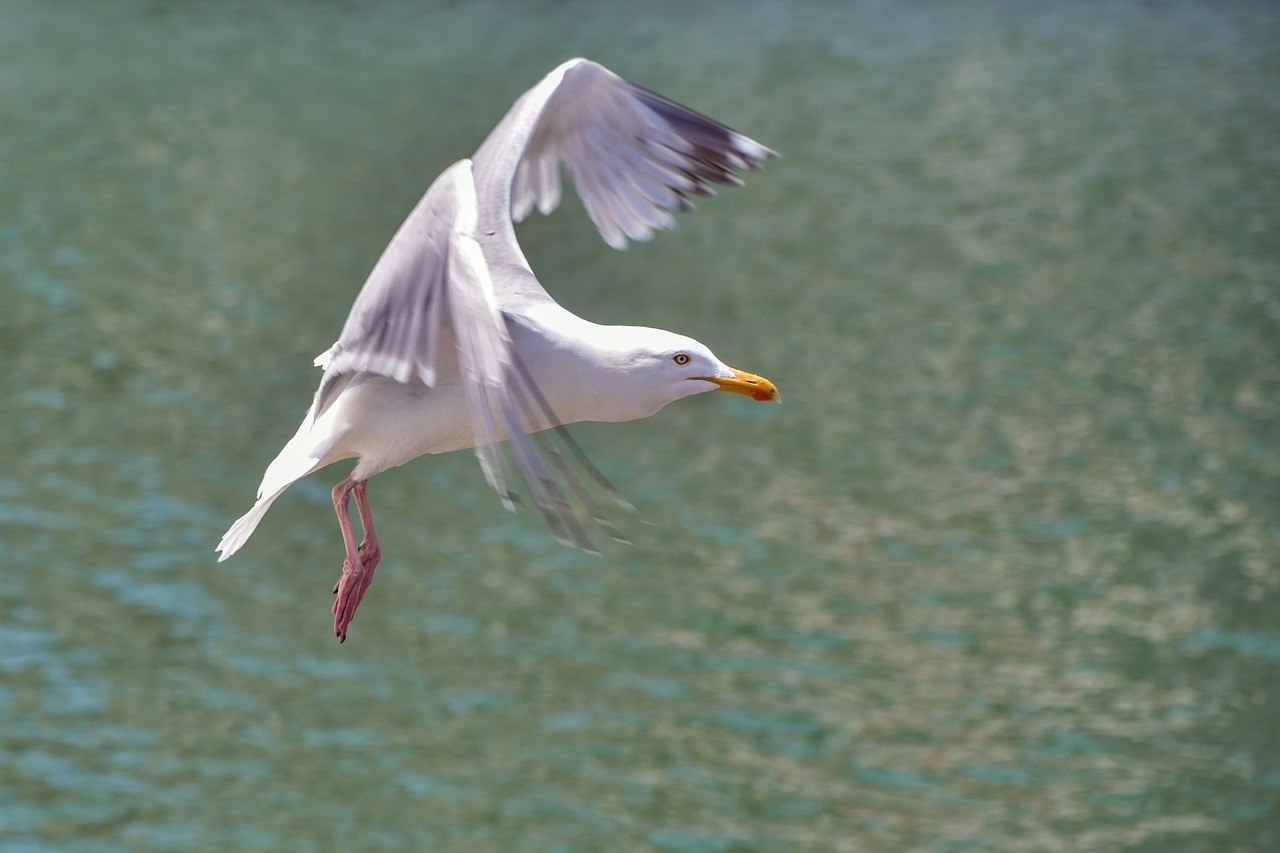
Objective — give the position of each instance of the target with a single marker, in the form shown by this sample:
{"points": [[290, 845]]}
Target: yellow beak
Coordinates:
{"points": [[755, 387]]}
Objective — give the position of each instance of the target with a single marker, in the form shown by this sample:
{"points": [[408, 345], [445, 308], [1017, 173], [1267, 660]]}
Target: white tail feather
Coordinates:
{"points": [[240, 532], [297, 459]]}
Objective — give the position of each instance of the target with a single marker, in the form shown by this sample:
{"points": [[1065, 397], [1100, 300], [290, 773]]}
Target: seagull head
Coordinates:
{"points": [[660, 367]]}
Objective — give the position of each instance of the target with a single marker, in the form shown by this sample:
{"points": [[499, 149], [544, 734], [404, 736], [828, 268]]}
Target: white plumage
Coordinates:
{"points": [[453, 343]]}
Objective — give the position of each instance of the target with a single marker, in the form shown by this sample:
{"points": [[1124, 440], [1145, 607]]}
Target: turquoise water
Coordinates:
{"points": [[1001, 574]]}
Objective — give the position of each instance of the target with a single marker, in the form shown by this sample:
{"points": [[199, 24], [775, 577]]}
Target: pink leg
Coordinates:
{"points": [[358, 566], [370, 551]]}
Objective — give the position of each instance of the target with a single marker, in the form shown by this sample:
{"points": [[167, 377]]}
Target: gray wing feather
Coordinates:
{"points": [[635, 158], [396, 324], [503, 401]]}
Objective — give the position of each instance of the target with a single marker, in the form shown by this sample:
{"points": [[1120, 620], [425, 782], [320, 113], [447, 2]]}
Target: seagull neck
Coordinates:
{"points": [[586, 371]]}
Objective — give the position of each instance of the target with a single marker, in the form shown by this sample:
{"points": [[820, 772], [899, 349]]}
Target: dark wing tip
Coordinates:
{"points": [[716, 150]]}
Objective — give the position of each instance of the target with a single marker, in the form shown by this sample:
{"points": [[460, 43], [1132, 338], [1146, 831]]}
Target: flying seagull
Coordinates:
{"points": [[453, 343]]}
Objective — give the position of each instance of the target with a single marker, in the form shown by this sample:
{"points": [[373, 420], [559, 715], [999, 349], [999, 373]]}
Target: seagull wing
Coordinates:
{"points": [[635, 158], [399, 323]]}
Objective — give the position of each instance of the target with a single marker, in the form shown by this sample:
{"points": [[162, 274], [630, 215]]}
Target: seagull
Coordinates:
{"points": [[453, 343]]}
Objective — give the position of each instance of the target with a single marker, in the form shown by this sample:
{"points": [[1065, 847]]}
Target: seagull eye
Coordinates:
{"points": [[681, 358]]}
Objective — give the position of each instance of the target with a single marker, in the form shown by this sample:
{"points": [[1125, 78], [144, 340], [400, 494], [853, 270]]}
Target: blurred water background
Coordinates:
{"points": [[1000, 575]]}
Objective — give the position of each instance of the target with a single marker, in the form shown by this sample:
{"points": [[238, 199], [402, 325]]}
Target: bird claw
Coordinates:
{"points": [[352, 586]]}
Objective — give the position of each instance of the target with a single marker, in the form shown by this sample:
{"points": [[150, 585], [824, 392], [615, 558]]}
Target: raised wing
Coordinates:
{"points": [[634, 156], [397, 322]]}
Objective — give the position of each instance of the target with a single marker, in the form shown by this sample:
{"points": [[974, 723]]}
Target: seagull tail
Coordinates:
{"points": [[298, 459], [240, 532]]}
